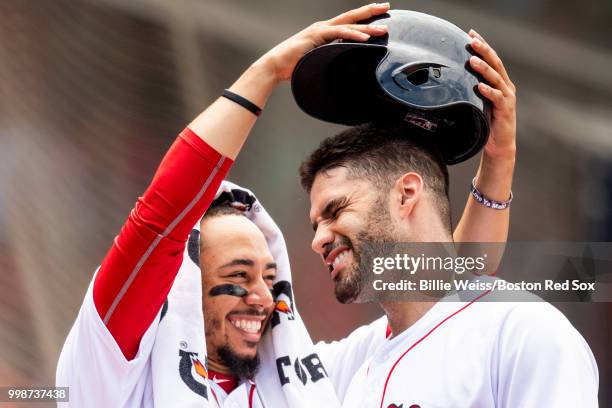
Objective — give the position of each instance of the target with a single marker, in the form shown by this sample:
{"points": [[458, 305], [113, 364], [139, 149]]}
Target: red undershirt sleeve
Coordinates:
{"points": [[139, 269]]}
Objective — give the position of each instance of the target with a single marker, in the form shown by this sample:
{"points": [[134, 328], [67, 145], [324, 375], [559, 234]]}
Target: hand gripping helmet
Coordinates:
{"points": [[418, 72]]}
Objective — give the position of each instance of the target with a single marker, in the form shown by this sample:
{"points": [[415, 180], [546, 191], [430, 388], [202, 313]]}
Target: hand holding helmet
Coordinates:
{"points": [[419, 73], [502, 94], [284, 57]]}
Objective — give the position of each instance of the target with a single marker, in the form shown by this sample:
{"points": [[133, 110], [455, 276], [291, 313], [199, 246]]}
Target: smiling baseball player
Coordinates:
{"points": [[110, 347], [374, 184], [110, 358]]}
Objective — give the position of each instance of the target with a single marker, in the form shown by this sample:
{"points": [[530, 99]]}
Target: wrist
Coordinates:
{"points": [[494, 176], [267, 67], [505, 154], [498, 164], [488, 202], [256, 84]]}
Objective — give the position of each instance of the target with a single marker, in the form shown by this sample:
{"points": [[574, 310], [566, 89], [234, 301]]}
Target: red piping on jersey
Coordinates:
{"points": [[251, 392], [168, 230], [139, 269], [214, 395], [382, 400]]}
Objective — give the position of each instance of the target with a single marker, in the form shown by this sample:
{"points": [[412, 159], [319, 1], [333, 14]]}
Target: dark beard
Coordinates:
{"points": [[378, 228], [348, 288], [241, 367]]}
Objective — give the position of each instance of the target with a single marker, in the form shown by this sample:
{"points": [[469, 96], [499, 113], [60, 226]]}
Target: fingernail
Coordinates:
{"points": [[381, 27], [476, 60], [476, 42], [382, 4]]}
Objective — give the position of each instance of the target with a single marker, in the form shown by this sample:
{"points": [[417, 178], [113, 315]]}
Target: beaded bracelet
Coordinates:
{"points": [[496, 205]]}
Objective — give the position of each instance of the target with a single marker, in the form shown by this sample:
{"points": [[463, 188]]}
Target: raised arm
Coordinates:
{"points": [[494, 177], [139, 269], [225, 125]]}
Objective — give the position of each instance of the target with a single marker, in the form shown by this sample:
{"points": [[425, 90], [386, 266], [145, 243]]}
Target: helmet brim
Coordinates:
{"points": [[335, 82]]}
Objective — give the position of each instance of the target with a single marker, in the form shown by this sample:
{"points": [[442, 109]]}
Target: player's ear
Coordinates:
{"points": [[406, 193]]}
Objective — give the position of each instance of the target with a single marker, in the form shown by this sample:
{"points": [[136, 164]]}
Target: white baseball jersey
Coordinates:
{"points": [[480, 354], [98, 374]]}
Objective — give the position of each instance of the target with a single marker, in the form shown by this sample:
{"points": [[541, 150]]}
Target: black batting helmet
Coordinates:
{"points": [[418, 72]]}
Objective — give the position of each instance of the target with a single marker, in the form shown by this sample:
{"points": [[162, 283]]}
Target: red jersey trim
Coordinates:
{"points": [[382, 400], [251, 392], [226, 382]]}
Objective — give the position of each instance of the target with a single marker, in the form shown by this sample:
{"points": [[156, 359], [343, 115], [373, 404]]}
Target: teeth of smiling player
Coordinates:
{"points": [[340, 258], [249, 326]]}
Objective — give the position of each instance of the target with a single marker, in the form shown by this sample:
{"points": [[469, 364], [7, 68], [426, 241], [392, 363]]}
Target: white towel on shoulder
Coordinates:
{"points": [[290, 375]]}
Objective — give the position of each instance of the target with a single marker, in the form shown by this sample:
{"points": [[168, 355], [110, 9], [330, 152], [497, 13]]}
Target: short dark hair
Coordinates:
{"points": [[232, 202], [382, 153], [218, 208]]}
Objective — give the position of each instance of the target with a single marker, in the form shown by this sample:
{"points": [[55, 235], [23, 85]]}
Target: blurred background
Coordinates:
{"points": [[93, 92]]}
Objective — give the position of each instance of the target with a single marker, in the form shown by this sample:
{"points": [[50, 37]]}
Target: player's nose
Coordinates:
{"points": [[260, 295], [323, 237]]}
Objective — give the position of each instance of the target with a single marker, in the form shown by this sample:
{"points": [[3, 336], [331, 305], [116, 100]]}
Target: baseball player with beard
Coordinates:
{"points": [[106, 360], [125, 300], [373, 184]]}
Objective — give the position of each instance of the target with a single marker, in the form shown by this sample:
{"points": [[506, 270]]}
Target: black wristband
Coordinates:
{"points": [[245, 103]]}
